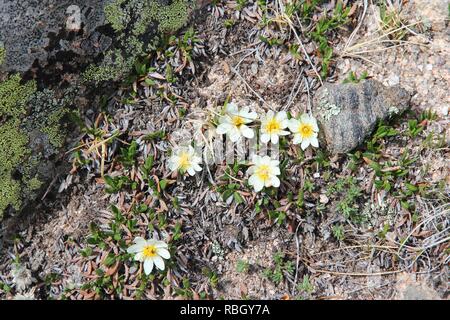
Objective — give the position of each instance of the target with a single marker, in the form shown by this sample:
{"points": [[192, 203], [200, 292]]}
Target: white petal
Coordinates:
{"points": [[247, 132], [197, 167], [148, 266], [297, 139], [139, 256], [135, 248], [265, 138], [305, 144], [274, 138], [191, 171], [314, 142], [173, 164], [314, 125], [251, 115], [223, 128], [276, 171], [293, 125], [173, 167], [304, 118], [234, 135], [275, 182], [140, 240], [282, 115], [252, 180], [258, 185], [163, 253], [283, 133], [190, 151], [160, 244], [265, 160], [159, 262], [232, 108], [255, 159]]}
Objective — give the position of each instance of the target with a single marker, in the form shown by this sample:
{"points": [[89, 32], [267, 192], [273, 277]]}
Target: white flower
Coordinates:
{"points": [[264, 173], [25, 296], [272, 126], [305, 131], [151, 252], [185, 159], [234, 122], [22, 277]]}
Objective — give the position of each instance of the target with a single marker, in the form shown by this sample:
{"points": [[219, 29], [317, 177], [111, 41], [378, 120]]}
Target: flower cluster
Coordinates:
{"points": [[237, 123], [263, 172]]}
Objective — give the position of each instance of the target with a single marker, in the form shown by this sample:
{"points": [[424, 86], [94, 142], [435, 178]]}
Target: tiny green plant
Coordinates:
{"points": [[242, 266], [324, 26], [353, 77], [281, 266], [338, 232], [305, 287]]}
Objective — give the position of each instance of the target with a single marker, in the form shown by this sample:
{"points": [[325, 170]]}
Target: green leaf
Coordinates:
{"points": [[238, 198], [163, 184]]}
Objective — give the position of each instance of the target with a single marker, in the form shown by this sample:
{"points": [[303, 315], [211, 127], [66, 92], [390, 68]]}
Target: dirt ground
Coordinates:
{"points": [[228, 249]]}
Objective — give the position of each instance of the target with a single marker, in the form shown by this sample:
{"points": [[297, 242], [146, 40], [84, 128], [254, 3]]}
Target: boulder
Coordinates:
{"points": [[348, 113]]}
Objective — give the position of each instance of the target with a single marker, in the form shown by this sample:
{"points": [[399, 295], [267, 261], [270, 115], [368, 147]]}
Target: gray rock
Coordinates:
{"points": [[51, 52], [348, 113], [48, 40], [37, 33]]}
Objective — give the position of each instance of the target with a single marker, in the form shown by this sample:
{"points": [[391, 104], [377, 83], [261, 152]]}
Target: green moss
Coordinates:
{"points": [[172, 17], [52, 127], [13, 149], [13, 140], [115, 15], [14, 95], [132, 21], [2, 54], [9, 194], [34, 184], [114, 65], [169, 17]]}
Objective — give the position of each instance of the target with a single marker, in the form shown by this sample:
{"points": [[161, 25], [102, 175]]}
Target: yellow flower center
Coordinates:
{"points": [[149, 251], [273, 126], [184, 161], [238, 121], [262, 172], [306, 130]]}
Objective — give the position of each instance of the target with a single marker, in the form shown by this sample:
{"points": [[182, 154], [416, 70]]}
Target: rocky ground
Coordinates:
{"points": [[371, 223]]}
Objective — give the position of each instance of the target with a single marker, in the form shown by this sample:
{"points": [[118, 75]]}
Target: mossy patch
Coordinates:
{"points": [[34, 184], [47, 113], [133, 20], [2, 54], [53, 129], [13, 149], [14, 95]]}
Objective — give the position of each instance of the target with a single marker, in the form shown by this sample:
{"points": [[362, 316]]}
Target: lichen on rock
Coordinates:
{"points": [[14, 95], [348, 113], [136, 33], [30, 134], [13, 149]]}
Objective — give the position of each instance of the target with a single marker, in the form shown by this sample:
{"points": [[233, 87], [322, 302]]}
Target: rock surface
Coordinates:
{"points": [[33, 33], [348, 113], [49, 51]]}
